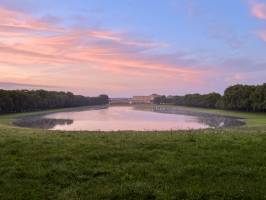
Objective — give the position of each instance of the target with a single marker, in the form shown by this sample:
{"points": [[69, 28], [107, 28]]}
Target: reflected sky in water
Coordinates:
{"points": [[125, 118]]}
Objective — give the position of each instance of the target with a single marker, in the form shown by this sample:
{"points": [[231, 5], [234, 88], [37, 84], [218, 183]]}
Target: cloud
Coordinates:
{"points": [[244, 64], [38, 51], [258, 10], [43, 52], [18, 21], [227, 35], [262, 35], [14, 86]]}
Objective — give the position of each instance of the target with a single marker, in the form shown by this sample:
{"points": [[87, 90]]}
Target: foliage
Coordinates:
{"points": [[238, 97], [14, 101], [196, 100], [245, 98], [159, 100], [258, 98]]}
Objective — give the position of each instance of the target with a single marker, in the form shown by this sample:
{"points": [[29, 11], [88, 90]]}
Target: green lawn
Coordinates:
{"points": [[204, 164]]}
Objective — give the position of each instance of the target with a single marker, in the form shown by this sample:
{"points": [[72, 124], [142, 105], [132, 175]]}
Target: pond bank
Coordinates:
{"points": [[215, 120], [251, 119], [9, 119], [113, 118]]}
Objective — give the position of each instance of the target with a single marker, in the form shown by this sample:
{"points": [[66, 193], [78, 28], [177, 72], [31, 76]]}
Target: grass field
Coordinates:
{"points": [[203, 164]]}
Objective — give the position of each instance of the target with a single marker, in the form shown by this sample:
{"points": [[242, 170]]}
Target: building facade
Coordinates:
{"points": [[144, 99]]}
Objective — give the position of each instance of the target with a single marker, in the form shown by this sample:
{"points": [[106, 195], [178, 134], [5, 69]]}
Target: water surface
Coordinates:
{"points": [[124, 118]]}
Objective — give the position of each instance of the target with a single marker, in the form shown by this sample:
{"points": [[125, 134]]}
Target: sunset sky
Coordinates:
{"points": [[132, 47]]}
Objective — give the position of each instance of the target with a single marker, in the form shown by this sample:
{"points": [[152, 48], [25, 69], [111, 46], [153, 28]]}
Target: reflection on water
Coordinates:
{"points": [[126, 118], [212, 120], [40, 122]]}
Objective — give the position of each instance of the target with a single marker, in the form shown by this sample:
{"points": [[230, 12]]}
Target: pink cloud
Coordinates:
{"points": [[19, 21], [262, 35], [259, 10], [39, 52]]}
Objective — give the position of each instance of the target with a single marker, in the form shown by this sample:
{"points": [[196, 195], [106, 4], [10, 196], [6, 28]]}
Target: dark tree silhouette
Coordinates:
{"points": [[195, 100], [238, 97], [13, 101]]}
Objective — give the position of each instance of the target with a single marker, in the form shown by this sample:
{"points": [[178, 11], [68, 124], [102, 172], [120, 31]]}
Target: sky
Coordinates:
{"points": [[132, 47]]}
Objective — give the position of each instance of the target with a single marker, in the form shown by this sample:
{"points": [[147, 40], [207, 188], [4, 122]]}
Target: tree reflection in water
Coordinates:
{"points": [[212, 120], [129, 118], [40, 122]]}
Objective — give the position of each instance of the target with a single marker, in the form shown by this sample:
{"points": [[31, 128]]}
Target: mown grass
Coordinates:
{"points": [[210, 164], [202, 164]]}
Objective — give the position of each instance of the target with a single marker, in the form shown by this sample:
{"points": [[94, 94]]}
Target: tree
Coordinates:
{"points": [[258, 98], [159, 100], [12, 101], [196, 100], [238, 97]]}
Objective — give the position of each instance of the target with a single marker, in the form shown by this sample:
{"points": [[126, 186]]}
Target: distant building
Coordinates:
{"points": [[144, 99], [116, 101], [141, 100]]}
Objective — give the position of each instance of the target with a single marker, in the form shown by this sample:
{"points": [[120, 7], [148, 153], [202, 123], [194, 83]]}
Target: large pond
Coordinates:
{"points": [[126, 118]]}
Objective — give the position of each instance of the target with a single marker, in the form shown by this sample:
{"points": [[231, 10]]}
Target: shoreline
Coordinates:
{"points": [[211, 121], [250, 119], [8, 119]]}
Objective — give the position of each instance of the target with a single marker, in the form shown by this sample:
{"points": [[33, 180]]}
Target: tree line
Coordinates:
{"points": [[14, 101], [251, 98]]}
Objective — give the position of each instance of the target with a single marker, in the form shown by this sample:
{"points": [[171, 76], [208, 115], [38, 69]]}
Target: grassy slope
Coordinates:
{"points": [[207, 164]]}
